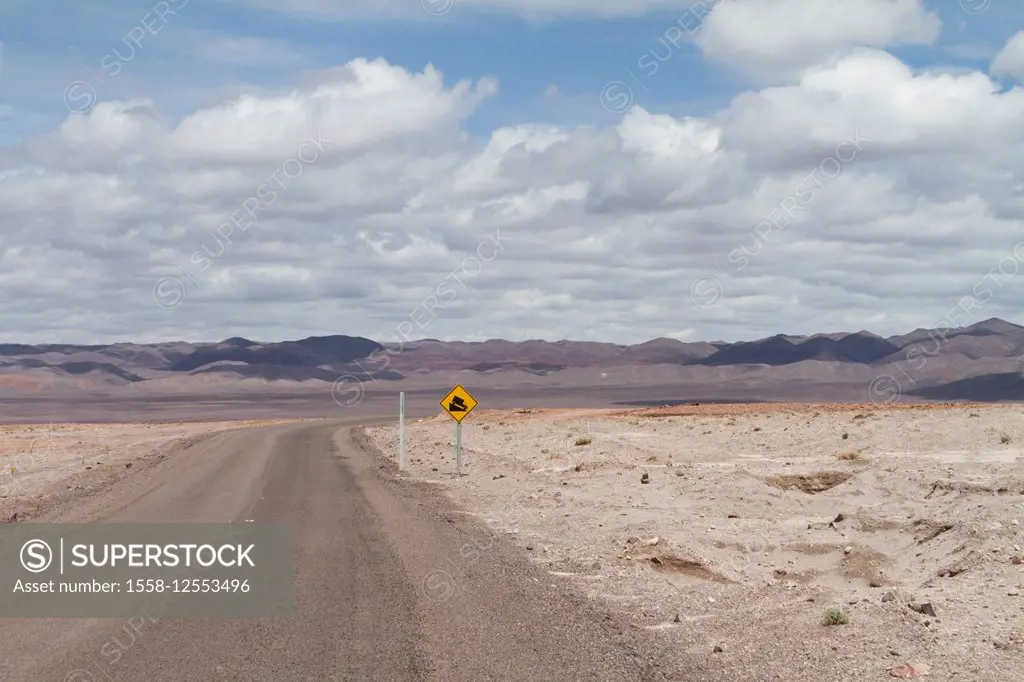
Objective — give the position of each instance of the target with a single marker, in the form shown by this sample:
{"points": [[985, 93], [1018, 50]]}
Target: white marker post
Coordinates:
{"points": [[401, 431]]}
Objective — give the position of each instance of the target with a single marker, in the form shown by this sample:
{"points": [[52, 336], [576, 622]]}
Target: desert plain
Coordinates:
{"points": [[760, 541], [771, 542]]}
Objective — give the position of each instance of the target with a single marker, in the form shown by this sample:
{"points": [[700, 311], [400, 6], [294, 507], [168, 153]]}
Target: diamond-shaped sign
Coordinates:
{"points": [[458, 403]]}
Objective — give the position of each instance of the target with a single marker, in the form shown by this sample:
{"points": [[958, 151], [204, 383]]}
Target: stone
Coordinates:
{"points": [[910, 670]]}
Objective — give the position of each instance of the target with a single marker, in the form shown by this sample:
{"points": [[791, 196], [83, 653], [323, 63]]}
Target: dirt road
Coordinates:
{"points": [[390, 583]]}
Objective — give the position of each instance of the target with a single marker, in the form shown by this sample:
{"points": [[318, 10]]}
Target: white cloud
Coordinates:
{"points": [[906, 113], [1010, 60], [778, 38], [579, 232]]}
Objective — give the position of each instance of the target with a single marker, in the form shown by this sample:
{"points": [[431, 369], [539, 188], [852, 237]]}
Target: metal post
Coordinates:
{"points": [[458, 448], [401, 430]]}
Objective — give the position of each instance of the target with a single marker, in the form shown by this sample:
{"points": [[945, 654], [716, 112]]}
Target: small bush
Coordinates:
{"points": [[835, 616], [846, 436], [584, 441]]}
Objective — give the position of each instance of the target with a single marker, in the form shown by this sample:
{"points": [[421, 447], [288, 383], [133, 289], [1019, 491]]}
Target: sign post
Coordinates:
{"points": [[458, 448], [401, 431], [458, 404]]}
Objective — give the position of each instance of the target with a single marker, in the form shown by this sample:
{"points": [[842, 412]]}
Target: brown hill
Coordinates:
{"points": [[918, 360]]}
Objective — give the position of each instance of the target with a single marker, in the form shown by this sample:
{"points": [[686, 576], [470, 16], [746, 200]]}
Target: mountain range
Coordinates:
{"points": [[978, 362]]}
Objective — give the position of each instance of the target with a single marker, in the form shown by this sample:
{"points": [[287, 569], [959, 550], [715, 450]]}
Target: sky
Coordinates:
{"points": [[592, 170]]}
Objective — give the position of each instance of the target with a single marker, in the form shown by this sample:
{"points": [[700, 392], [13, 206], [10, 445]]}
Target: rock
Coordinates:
{"points": [[838, 519], [910, 670], [677, 619], [495, 478], [632, 540], [1013, 593], [128, 465], [733, 516], [529, 548], [718, 649], [645, 478], [925, 609], [847, 549], [651, 542]]}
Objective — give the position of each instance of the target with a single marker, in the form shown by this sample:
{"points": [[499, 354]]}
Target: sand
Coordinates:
{"points": [[757, 519]]}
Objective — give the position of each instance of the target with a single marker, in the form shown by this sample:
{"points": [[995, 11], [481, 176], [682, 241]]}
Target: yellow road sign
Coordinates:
{"points": [[458, 403]]}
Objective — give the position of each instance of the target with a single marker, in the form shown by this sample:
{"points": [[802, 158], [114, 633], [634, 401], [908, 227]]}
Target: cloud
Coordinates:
{"points": [[863, 194], [244, 51], [776, 39], [1010, 60]]}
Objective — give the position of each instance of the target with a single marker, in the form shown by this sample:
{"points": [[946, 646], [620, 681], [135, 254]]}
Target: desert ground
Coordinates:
{"points": [[732, 532], [772, 542]]}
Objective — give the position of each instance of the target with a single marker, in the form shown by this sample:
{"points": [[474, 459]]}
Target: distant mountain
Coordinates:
{"points": [[980, 361], [237, 341], [665, 351], [1004, 387], [311, 352], [862, 347], [989, 338]]}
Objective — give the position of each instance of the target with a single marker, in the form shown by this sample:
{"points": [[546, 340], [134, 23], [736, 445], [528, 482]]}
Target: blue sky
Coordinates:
{"points": [[48, 44]]}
